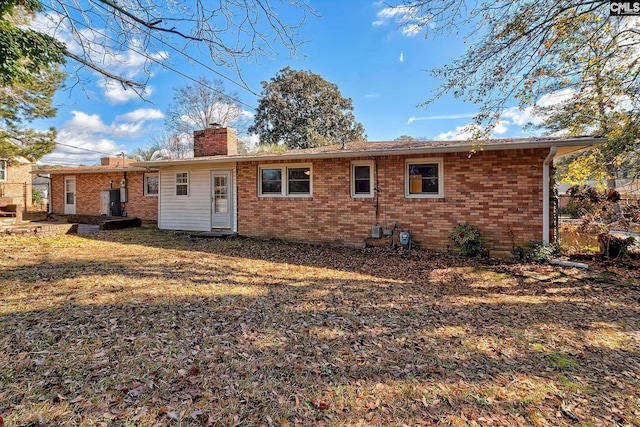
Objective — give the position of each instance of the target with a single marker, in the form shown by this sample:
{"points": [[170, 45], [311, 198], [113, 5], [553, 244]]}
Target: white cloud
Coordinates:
{"points": [[93, 44], [407, 17], [127, 130], [372, 95], [401, 56], [500, 128], [461, 133], [524, 116], [411, 30], [83, 122], [116, 93], [247, 114], [85, 138], [141, 114]]}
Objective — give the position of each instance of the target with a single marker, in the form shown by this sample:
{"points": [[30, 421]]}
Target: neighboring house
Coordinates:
{"points": [[15, 182], [336, 194], [113, 188]]}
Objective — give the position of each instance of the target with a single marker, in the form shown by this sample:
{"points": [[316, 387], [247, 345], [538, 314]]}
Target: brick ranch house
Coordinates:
{"points": [[113, 188], [336, 194]]}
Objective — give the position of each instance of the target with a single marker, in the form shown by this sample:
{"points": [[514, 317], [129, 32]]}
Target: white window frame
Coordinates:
{"points": [[284, 171], [182, 183], [146, 187], [3, 169], [371, 179], [439, 194]]}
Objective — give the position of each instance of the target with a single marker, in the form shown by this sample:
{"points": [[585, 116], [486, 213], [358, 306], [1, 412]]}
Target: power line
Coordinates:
{"points": [[190, 58], [85, 149], [151, 59]]}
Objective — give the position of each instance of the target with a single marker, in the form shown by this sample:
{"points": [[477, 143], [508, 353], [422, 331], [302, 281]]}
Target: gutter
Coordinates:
{"points": [[546, 194]]}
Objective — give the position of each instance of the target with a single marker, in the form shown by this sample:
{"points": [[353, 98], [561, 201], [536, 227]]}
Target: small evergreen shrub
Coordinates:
{"points": [[467, 239], [536, 251], [38, 196]]}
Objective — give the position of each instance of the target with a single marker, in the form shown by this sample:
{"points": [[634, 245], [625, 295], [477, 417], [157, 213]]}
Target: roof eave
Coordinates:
{"points": [[71, 170], [579, 143]]}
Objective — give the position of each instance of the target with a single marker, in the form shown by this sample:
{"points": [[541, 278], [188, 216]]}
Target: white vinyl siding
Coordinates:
{"points": [[191, 213]]}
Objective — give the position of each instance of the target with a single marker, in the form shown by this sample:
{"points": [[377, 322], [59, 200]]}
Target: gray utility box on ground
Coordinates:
{"points": [[110, 202]]}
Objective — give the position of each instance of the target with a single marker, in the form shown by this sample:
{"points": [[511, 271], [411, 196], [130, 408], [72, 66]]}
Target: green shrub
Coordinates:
{"points": [[536, 251], [467, 239], [38, 196]]}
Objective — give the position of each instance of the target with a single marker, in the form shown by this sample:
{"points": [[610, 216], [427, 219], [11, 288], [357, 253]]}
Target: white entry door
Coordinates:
{"points": [[221, 199], [70, 195]]}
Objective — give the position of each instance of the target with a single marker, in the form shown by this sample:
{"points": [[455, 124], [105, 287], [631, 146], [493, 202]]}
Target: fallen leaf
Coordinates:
{"points": [[321, 404]]}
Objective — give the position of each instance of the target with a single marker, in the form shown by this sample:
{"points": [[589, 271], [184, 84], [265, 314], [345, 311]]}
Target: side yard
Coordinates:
{"points": [[141, 327]]}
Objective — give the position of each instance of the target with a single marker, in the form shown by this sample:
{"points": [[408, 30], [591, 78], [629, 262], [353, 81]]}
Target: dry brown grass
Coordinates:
{"points": [[143, 328]]}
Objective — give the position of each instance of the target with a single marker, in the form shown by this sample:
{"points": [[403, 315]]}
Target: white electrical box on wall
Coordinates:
{"points": [[123, 195]]}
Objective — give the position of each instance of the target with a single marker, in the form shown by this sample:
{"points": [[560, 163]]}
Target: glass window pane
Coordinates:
{"points": [[299, 180], [430, 185], [152, 184], [271, 187], [299, 173], [299, 187], [271, 181], [271, 174], [361, 172], [181, 178], [70, 198], [181, 190], [362, 186], [423, 178]]}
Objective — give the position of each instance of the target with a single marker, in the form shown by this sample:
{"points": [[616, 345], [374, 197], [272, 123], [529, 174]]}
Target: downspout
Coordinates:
{"points": [[546, 193]]}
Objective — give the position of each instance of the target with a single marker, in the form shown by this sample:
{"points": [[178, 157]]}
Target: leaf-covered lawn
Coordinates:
{"points": [[144, 327]]}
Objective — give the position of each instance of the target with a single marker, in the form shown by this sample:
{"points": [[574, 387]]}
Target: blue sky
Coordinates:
{"points": [[355, 44]]}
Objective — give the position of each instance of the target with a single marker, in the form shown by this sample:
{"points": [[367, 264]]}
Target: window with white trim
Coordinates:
{"points": [[423, 178], [3, 170], [362, 183], [182, 184], [151, 182], [285, 180]]}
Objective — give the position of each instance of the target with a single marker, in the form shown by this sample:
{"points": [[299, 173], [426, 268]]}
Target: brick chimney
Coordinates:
{"points": [[115, 161], [215, 141]]}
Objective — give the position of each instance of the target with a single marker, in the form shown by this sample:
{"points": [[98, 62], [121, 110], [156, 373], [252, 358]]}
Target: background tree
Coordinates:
{"points": [[600, 101], [300, 109], [100, 34], [195, 107], [521, 50], [152, 153], [171, 146], [29, 76]]}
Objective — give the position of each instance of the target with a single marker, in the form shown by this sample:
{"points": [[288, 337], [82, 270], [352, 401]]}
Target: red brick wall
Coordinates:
{"points": [[498, 191], [89, 185]]}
